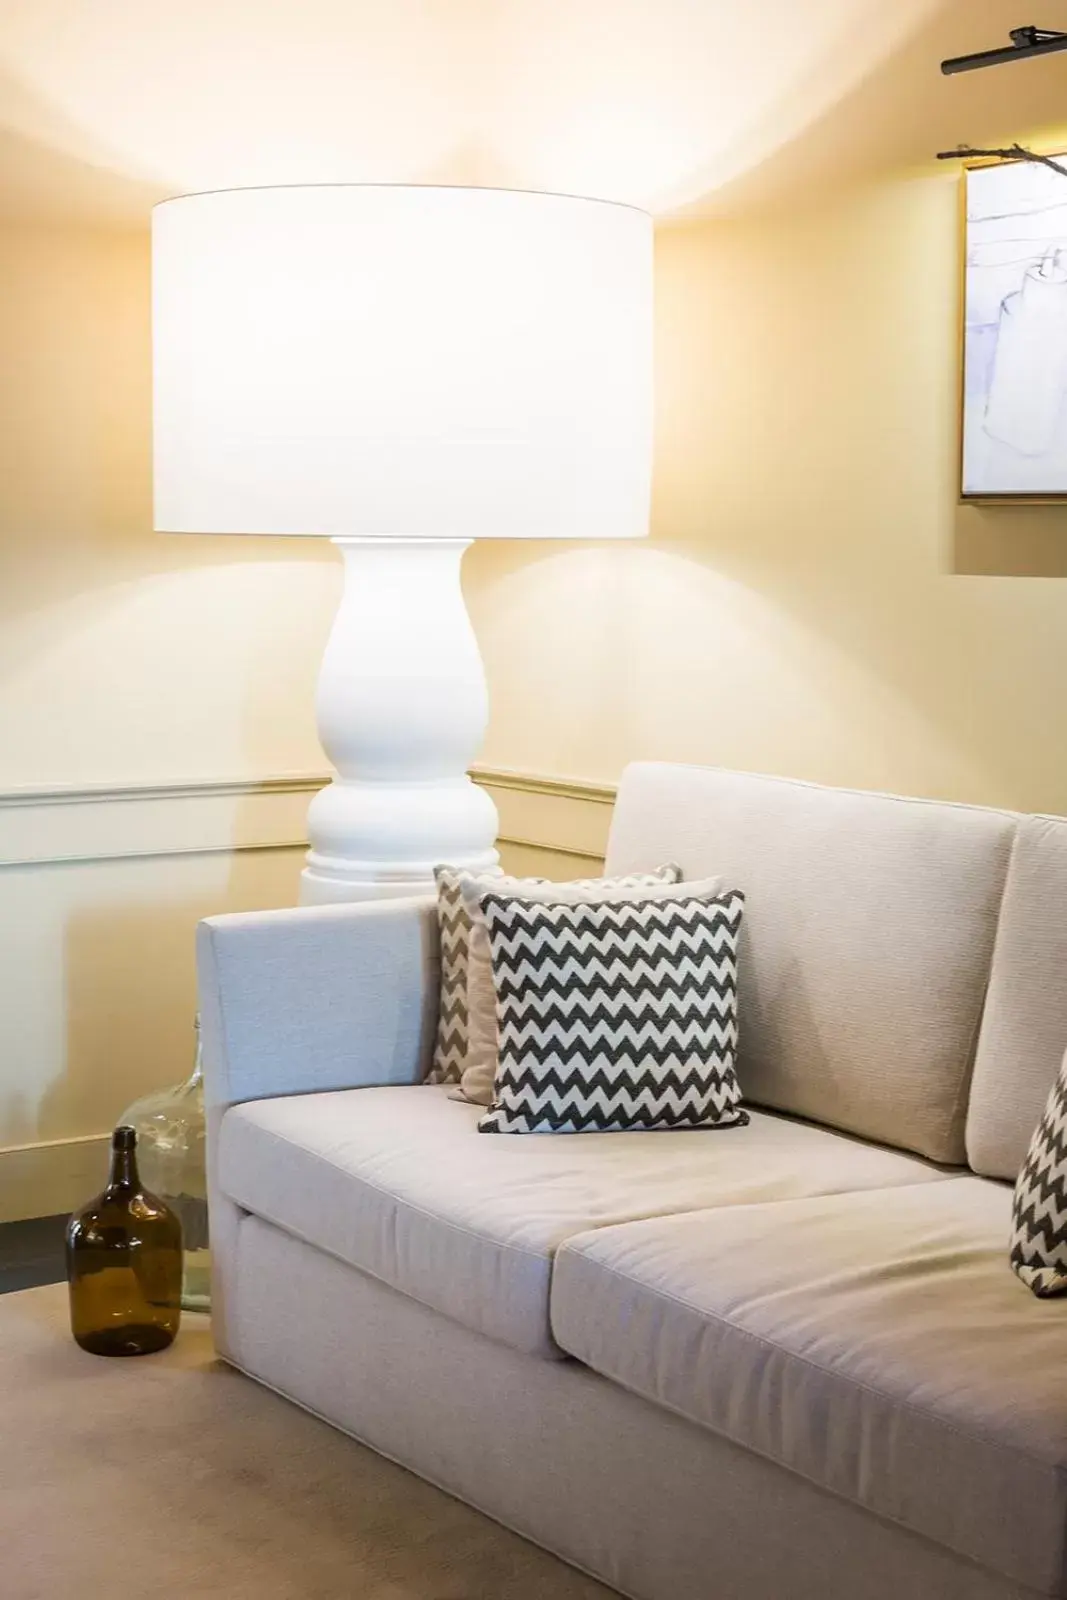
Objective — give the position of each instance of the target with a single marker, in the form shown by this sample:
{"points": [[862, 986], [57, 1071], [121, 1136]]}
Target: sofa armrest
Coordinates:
{"points": [[321, 997]]}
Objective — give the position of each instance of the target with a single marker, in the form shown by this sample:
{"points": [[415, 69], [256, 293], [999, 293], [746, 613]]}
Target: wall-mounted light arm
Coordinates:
{"points": [[1012, 152], [1025, 42]]}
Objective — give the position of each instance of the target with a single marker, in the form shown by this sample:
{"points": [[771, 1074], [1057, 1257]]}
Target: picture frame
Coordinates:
{"points": [[1013, 367]]}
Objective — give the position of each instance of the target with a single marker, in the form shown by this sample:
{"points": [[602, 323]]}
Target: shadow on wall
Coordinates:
{"points": [[1025, 541]]}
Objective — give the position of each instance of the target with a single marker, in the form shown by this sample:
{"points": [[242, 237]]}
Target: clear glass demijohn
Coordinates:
{"points": [[171, 1154]]}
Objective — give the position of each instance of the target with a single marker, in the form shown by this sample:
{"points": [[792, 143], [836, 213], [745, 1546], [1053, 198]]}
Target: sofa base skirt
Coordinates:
{"points": [[649, 1503]]}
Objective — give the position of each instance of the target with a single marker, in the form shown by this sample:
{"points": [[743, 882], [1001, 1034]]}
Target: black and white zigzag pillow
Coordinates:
{"points": [[614, 1016], [462, 960], [1039, 1213]]}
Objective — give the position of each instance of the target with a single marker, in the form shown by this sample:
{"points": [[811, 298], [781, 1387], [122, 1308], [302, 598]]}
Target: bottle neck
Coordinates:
{"points": [[197, 1077], [123, 1173]]}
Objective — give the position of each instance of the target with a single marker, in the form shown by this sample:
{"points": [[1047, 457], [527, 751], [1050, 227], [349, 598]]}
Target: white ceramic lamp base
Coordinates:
{"points": [[402, 708]]}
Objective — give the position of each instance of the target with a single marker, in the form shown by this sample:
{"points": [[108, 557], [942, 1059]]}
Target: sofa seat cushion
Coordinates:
{"points": [[878, 1344], [398, 1182]]}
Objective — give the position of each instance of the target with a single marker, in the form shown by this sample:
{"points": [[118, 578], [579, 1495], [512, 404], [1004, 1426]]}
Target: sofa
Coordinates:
{"points": [[784, 1360]]}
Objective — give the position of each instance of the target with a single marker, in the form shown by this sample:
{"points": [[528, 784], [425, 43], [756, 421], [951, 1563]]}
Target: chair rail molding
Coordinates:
{"points": [[562, 817], [108, 822]]}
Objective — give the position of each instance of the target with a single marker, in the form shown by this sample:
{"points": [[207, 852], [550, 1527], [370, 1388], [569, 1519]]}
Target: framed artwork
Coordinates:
{"points": [[1014, 422]]}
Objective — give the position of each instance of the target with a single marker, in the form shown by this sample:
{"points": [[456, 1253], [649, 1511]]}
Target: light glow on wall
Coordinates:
{"points": [[652, 102]]}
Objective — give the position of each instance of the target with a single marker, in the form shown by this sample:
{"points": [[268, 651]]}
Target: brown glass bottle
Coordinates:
{"points": [[124, 1264]]}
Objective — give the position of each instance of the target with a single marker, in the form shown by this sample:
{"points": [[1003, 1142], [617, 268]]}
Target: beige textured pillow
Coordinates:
{"points": [[476, 1083], [450, 1048], [454, 925]]}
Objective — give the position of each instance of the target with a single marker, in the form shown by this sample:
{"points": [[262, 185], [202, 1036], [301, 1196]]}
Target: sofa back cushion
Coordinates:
{"points": [[867, 943], [1024, 1031]]}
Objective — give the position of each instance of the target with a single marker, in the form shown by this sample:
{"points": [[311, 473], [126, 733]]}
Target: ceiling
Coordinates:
{"points": [[684, 106]]}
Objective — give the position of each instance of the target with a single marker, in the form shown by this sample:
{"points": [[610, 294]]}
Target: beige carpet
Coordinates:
{"points": [[172, 1477]]}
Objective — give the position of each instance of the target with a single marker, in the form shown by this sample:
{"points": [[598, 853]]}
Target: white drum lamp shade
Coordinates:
{"points": [[401, 369]]}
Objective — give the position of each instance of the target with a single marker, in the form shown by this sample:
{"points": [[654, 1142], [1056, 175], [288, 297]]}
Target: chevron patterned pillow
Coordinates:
{"points": [[460, 1023], [1039, 1212], [479, 1068], [615, 1016]]}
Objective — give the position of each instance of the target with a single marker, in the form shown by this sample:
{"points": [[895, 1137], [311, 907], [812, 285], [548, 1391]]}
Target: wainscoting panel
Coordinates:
{"points": [[40, 827], [100, 894], [44, 1180], [549, 827]]}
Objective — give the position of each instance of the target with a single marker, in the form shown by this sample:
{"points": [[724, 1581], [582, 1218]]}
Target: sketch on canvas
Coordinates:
{"points": [[1015, 331]]}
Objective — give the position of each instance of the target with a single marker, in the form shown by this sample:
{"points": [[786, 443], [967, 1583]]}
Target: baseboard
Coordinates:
{"points": [[44, 1180]]}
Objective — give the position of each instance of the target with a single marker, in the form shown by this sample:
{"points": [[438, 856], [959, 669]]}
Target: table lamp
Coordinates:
{"points": [[401, 369]]}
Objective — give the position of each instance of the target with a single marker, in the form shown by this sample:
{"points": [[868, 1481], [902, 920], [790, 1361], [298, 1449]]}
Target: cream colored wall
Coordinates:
{"points": [[812, 602], [127, 656], [147, 686], [809, 602]]}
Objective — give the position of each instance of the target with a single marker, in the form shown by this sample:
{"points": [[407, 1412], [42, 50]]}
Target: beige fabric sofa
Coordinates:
{"points": [[787, 1360]]}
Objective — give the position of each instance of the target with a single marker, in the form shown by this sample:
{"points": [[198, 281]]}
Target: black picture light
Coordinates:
{"points": [[1025, 42]]}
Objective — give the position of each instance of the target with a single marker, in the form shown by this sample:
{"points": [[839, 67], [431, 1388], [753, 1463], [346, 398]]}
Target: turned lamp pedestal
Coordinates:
{"points": [[402, 708]]}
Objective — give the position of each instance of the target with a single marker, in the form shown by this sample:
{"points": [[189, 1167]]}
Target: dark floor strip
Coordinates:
{"points": [[31, 1253]]}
